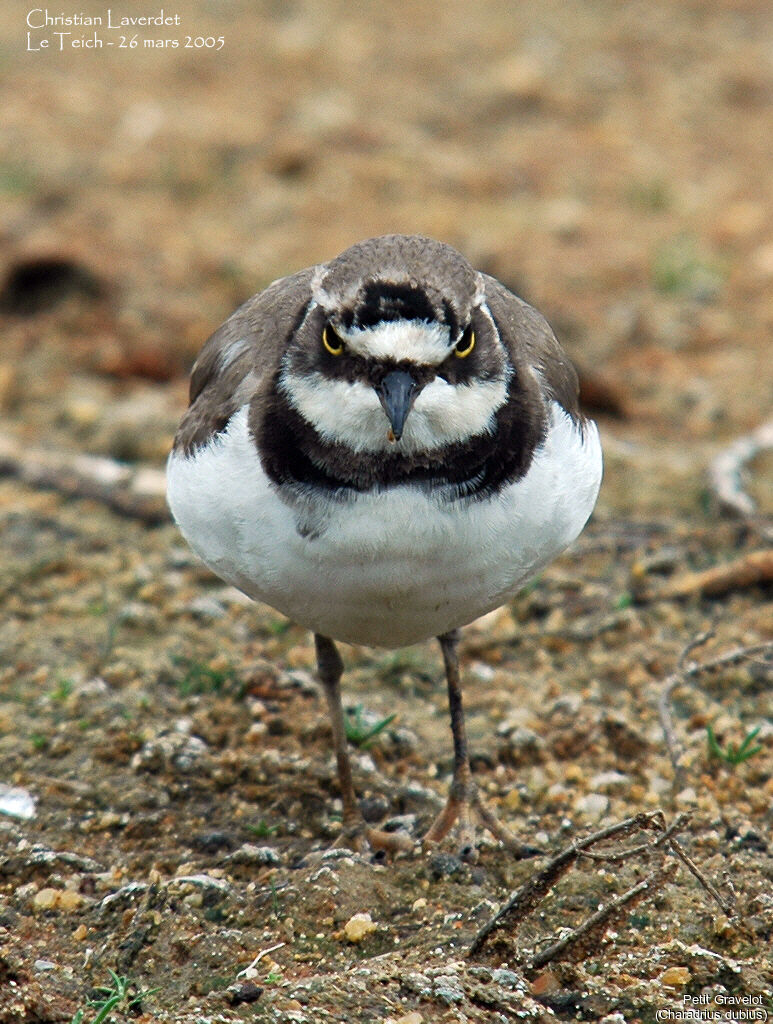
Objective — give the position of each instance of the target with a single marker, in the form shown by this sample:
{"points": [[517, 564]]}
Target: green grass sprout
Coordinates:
{"points": [[113, 997], [732, 754], [359, 732]]}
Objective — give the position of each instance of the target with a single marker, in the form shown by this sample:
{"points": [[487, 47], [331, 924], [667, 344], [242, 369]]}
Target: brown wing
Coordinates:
{"points": [[528, 338], [240, 357]]}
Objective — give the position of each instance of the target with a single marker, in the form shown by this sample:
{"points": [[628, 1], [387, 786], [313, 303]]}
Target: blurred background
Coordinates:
{"points": [[609, 162]]}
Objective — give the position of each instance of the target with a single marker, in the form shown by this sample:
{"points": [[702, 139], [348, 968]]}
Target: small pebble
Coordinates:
{"points": [[404, 741], [205, 608], [447, 989], [443, 865], [358, 927], [45, 899], [256, 732], [723, 928], [545, 983], [83, 412], [520, 76], [675, 977], [177, 752], [69, 899], [592, 806], [762, 261], [480, 670], [687, 798], [374, 808], [16, 802], [513, 799], [105, 821], [248, 853], [44, 965], [246, 992], [524, 745], [608, 781], [400, 823], [213, 842], [135, 613], [507, 979]]}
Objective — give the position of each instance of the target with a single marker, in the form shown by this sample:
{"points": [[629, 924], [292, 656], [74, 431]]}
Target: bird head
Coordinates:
{"points": [[397, 348]]}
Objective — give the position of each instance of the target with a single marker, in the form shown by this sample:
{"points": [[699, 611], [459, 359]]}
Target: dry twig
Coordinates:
{"points": [[578, 941], [617, 856], [582, 939], [749, 570], [250, 971], [728, 906], [725, 471], [664, 704], [533, 891], [133, 491]]}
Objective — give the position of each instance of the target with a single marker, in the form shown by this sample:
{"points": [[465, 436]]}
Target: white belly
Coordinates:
{"points": [[386, 569]]}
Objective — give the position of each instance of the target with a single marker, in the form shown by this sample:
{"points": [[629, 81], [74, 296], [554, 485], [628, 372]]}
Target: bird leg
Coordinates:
{"points": [[463, 797], [463, 789], [330, 669]]}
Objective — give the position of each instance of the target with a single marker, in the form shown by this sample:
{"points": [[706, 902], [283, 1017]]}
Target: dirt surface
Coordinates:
{"points": [[176, 803]]}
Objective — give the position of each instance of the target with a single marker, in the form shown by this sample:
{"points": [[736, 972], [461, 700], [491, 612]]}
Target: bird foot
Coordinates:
{"points": [[359, 836], [459, 811], [464, 801]]}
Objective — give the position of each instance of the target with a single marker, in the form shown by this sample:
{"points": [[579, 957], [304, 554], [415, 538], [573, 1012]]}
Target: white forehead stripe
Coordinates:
{"points": [[351, 413], [414, 340]]}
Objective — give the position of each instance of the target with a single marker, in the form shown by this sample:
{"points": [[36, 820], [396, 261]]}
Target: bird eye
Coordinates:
{"points": [[331, 341], [465, 344]]}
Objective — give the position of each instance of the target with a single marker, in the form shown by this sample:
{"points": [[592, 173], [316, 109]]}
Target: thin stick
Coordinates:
{"points": [[664, 705], [694, 644], [581, 938], [534, 890], [725, 470], [734, 657], [250, 971], [749, 570], [727, 906], [633, 851], [133, 491]]}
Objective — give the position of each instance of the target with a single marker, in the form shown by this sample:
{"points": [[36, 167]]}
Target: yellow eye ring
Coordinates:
{"points": [[331, 341], [466, 344]]}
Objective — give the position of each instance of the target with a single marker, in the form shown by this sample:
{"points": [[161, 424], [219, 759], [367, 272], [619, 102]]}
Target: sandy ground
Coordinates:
{"points": [[610, 163]]}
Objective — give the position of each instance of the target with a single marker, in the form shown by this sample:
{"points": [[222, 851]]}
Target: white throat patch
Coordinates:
{"points": [[350, 413]]}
